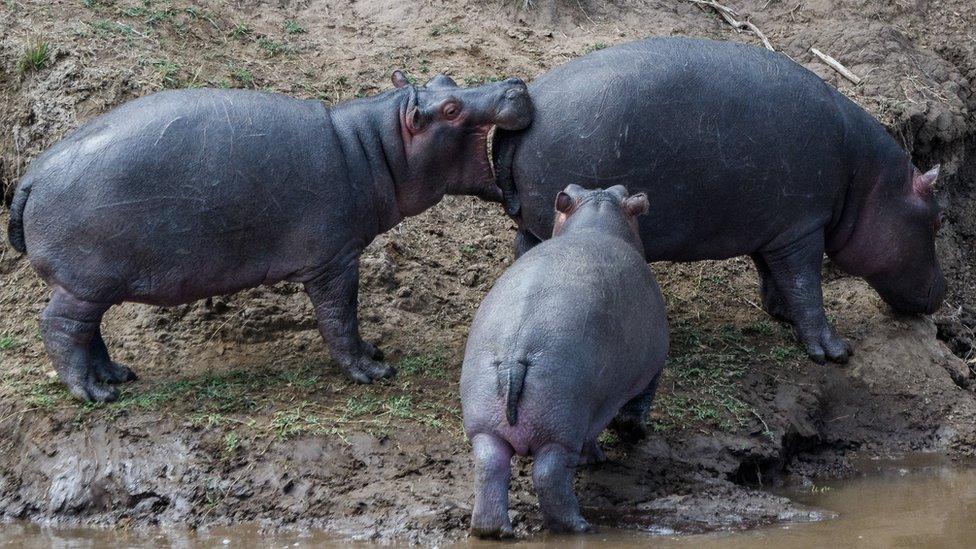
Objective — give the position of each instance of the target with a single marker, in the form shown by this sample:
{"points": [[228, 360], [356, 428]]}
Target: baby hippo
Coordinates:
{"points": [[572, 332]]}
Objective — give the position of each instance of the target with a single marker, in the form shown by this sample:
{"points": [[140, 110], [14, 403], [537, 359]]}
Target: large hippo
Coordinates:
{"points": [[571, 332], [181, 195], [743, 152]]}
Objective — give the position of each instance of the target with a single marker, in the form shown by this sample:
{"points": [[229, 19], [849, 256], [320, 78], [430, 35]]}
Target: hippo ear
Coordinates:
{"points": [[922, 183], [564, 202], [441, 81], [637, 205], [619, 190], [574, 190], [399, 79]]}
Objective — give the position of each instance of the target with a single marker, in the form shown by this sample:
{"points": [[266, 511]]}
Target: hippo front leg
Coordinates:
{"points": [[630, 423], [795, 271], [335, 297]]}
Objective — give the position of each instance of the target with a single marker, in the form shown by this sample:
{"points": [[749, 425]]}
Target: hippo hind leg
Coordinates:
{"points": [[106, 370], [493, 469], [772, 300], [70, 330], [552, 476], [795, 271], [630, 423]]}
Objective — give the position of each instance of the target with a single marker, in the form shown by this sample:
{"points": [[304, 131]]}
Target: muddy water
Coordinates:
{"points": [[895, 504]]}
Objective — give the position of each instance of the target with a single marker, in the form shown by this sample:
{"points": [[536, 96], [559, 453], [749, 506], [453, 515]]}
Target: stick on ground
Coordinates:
{"points": [[835, 64], [730, 15]]}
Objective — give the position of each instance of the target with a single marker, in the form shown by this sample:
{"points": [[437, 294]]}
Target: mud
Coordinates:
{"points": [[238, 416]]}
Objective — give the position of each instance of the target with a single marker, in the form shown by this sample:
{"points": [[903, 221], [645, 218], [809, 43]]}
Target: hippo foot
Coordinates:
{"points": [[113, 372], [90, 390], [365, 370], [492, 531], [370, 350], [592, 454], [571, 525], [824, 344], [629, 427]]}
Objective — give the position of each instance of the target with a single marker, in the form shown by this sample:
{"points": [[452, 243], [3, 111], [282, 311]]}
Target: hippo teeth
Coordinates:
{"points": [[489, 149]]}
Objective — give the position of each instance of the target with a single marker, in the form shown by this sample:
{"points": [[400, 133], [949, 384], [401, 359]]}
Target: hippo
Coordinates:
{"points": [[181, 195], [743, 152], [571, 333]]}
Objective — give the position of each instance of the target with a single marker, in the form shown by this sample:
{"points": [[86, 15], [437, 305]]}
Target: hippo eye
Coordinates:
{"points": [[939, 220], [451, 111]]}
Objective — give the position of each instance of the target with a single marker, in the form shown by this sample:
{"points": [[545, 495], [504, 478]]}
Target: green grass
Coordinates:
{"points": [[150, 14], [292, 27], [270, 46], [240, 30], [104, 27], [34, 58], [430, 366], [7, 342], [231, 443], [169, 73], [475, 80], [242, 77], [705, 368], [595, 47], [440, 30]]}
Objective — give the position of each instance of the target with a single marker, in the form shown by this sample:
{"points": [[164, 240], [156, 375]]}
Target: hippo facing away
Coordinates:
{"points": [[575, 329], [181, 195], [743, 152]]}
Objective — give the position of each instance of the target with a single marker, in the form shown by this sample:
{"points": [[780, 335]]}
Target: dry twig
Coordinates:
{"points": [[835, 64], [730, 15]]}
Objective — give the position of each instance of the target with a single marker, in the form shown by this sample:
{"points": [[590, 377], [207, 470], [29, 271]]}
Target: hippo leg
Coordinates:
{"points": [[772, 300], [335, 297], [552, 476], [107, 371], [592, 454], [493, 469], [631, 421], [68, 326], [524, 241], [795, 270], [370, 350]]}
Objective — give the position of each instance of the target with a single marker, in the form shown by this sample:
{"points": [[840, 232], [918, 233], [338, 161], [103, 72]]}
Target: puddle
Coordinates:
{"points": [[920, 502]]}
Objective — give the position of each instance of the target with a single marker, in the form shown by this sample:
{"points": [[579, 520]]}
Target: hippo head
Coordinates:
{"points": [[612, 210], [893, 244], [447, 134]]}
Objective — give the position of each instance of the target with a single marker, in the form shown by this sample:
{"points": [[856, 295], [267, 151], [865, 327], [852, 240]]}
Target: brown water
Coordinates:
{"points": [[902, 504]]}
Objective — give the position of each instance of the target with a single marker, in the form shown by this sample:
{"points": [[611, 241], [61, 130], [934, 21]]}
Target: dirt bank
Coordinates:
{"points": [[238, 416]]}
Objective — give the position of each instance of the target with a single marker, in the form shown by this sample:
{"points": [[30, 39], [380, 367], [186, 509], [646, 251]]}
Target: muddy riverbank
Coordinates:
{"points": [[239, 417]]}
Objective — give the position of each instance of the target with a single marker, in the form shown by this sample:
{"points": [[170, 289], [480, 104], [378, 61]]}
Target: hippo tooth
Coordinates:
{"points": [[489, 150]]}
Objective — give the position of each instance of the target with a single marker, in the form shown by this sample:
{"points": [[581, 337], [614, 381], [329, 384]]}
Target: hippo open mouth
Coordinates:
{"points": [[489, 149]]}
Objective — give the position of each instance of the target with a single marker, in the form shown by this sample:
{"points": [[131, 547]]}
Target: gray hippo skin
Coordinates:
{"points": [[743, 152], [181, 195], [570, 333]]}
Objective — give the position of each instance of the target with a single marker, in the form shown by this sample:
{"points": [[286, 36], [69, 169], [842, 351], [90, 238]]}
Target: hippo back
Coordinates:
{"points": [[737, 147]]}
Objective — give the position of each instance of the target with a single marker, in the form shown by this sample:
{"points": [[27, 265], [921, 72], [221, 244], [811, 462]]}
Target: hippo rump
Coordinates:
{"points": [[181, 195], [743, 152], [574, 330]]}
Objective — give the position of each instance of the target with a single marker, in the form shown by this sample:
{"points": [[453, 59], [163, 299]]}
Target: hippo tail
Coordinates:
{"points": [[15, 227], [516, 379]]}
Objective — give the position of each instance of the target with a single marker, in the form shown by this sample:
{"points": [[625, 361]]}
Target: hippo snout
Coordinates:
{"points": [[515, 106]]}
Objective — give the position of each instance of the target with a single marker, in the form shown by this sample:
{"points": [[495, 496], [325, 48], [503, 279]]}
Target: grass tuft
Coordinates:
{"points": [[34, 58]]}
